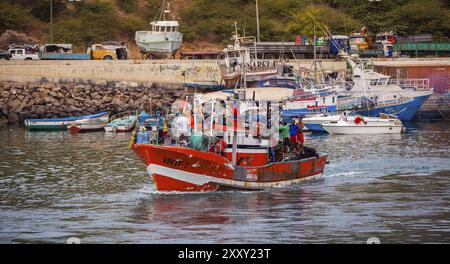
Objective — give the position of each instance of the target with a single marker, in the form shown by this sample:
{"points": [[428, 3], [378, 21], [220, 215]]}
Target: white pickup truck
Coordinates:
{"points": [[23, 54]]}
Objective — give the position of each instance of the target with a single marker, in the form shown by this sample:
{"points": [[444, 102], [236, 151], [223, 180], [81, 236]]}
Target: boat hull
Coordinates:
{"points": [[57, 124], [187, 170], [404, 111], [85, 129], [159, 45], [361, 129]]}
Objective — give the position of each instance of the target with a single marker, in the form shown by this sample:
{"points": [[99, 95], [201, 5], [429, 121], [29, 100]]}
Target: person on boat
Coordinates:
{"points": [[183, 126], [300, 135], [358, 120], [284, 135], [344, 117], [293, 130], [218, 147], [165, 131]]}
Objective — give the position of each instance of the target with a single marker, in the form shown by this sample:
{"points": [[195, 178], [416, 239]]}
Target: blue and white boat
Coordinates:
{"points": [[400, 97], [59, 123], [122, 122]]}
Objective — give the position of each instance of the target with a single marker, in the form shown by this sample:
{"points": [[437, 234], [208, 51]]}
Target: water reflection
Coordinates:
{"points": [[57, 185]]}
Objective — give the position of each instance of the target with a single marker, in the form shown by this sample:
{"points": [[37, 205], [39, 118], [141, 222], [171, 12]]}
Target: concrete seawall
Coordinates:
{"points": [[162, 72], [154, 71]]}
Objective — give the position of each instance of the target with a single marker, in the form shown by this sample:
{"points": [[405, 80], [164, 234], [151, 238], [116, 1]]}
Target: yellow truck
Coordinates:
{"points": [[108, 51]]}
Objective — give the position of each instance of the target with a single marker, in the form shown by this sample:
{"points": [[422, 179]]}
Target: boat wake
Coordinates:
{"points": [[344, 174]]}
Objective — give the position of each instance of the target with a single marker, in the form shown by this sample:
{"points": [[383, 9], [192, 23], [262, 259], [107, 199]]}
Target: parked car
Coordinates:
{"points": [[5, 55], [23, 54]]}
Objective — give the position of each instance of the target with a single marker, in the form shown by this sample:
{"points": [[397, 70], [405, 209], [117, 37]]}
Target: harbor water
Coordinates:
{"points": [[56, 185]]}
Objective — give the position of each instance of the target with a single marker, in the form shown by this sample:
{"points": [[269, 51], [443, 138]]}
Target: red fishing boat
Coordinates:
{"points": [[182, 169], [235, 160]]}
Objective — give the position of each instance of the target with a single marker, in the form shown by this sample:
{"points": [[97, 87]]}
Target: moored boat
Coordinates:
{"points": [[55, 124], [121, 123], [89, 125], [358, 125]]}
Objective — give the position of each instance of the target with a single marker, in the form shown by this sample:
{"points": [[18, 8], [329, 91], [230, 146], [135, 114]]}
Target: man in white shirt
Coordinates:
{"points": [[183, 127]]}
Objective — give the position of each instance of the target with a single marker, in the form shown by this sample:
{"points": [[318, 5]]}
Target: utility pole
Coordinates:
{"points": [[51, 21], [257, 22]]}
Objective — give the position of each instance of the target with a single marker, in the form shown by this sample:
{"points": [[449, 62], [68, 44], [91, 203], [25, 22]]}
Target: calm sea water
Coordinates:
{"points": [[56, 185]]}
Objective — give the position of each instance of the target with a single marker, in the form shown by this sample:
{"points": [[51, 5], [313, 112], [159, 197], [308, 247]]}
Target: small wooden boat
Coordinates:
{"points": [[121, 123], [47, 124], [358, 125], [89, 125]]}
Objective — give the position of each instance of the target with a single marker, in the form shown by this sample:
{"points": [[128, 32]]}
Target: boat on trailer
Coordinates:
{"points": [[49, 124]]}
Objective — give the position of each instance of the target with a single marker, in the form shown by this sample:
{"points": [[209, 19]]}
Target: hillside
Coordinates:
{"points": [[208, 24]]}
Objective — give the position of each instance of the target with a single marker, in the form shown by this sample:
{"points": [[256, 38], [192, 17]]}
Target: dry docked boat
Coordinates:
{"points": [[237, 159], [89, 125], [358, 125], [163, 40], [47, 124]]}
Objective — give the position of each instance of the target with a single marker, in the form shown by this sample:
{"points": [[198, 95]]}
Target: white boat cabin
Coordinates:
{"points": [[164, 26]]}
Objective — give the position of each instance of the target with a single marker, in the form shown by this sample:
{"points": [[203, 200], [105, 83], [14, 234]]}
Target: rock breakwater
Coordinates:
{"points": [[19, 101]]}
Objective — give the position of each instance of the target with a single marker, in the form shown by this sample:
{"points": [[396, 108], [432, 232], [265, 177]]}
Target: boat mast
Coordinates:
{"points": [[257, 22]]}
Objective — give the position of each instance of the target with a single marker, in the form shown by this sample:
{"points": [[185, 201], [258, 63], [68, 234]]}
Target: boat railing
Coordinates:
{"points": [[418, 84], [390, 102]]}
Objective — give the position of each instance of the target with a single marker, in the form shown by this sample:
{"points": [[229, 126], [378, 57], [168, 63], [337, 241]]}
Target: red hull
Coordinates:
{"points": [[76, 129], [187, 170]]}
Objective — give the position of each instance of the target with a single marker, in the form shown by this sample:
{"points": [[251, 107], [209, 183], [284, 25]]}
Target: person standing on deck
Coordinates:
{"points": [[293, 129], [300, 135], [183, 127], [284, 134]]}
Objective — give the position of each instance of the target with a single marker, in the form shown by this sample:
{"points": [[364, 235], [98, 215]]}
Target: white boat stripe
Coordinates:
{"points": [[200, 179]]}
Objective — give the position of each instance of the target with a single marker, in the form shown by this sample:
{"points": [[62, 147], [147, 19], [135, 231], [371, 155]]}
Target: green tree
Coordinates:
{"points": [[13, 17], [417, 18], [319, 18], [93, 21], [41, 9]]}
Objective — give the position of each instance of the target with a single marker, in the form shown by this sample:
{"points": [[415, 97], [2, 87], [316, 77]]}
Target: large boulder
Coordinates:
{"points": [[13, 118]]}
